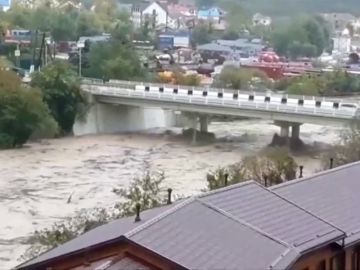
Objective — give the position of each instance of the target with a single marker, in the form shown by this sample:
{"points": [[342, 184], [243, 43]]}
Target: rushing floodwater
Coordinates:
{"points": [[36, 181]]}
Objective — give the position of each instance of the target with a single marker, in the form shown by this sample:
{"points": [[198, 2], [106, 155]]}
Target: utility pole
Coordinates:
{"points": [[80, 46], [17, 55]]}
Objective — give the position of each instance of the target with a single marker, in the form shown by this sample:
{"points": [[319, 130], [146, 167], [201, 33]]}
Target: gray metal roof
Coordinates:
{"points": [[214, 47], [101, 234], [199, 236], [244, 224], [269, 212], [331, 195]]}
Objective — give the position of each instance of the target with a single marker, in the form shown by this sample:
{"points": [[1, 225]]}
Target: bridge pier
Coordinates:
{"points": [[102, 118], [295, 131], [194, 125], [204, 123], [284, 128], [294, 142]]}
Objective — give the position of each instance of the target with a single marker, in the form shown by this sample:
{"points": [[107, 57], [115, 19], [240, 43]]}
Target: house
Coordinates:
{"points": [[155, 14], [259, 19], [339, 21], [182, 14], [342, 42], [175, 39], [18, 36], [211, 14], [309, 223], [5, 5], [330, 196], [234, 49], [181, 10], [68, 5], [214, 48], [213, 17]]}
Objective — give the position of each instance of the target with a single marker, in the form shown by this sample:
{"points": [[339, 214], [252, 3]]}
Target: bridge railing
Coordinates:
{"points": [[116, 91], [133, 84]]}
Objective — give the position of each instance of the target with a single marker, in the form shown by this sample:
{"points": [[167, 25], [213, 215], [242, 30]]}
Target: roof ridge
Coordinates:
{"points": [[288, 246], [303, 209], [325, 172], [243, 222], [227, 188], [158, 217]]}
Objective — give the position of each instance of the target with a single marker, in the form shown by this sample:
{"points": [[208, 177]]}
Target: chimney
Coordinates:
{"points": [[226, 176], [331, 163], [301, 171], [137, 218], [169, 196]]}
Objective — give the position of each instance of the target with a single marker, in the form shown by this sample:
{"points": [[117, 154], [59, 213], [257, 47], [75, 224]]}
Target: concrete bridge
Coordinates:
{"points": [[286, 111]]}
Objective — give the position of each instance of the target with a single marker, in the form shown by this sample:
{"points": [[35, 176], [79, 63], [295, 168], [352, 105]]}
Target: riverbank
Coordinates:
{"points": [[37, 180]]}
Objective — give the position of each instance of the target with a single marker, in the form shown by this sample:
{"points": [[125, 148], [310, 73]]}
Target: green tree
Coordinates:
{"points": [[61, 92], [123, 29], [65, 230], [239, 78], [114, 60], [146, 190], [62, 27], [305, 36], [348, 148], [316, 35], [201, 34], [22, 112], [305, 86], [88, 24], [272, 167], [236, 16]]}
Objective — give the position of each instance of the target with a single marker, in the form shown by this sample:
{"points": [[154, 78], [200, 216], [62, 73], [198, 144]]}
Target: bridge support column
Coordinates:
{"points": [[295, 131], [194, 124], [294, 142], [284, 128], [204, 122]]}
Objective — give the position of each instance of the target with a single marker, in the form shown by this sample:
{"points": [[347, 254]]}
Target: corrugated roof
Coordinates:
{"points": [[332, 195], [269, 212]]}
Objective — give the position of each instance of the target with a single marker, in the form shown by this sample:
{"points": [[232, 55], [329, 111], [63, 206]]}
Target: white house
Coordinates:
{"points": [[342, 43], [154, 12], [259, 19]]}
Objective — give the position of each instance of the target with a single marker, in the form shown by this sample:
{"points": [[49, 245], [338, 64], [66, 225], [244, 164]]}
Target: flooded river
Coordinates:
{"points": [[36, 181]]}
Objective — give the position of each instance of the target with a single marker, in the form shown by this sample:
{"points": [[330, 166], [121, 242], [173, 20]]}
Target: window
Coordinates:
{"points": [[321, 265], [338, 262]]}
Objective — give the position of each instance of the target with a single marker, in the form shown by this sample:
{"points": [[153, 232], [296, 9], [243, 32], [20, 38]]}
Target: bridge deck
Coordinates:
{"points": [[260, 102]]}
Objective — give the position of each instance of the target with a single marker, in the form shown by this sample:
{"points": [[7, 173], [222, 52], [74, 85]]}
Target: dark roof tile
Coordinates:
{"points": [[331, 195]]}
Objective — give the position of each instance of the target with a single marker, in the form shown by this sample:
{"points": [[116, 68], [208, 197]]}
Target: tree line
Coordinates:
{"points": [[45, 108]]}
